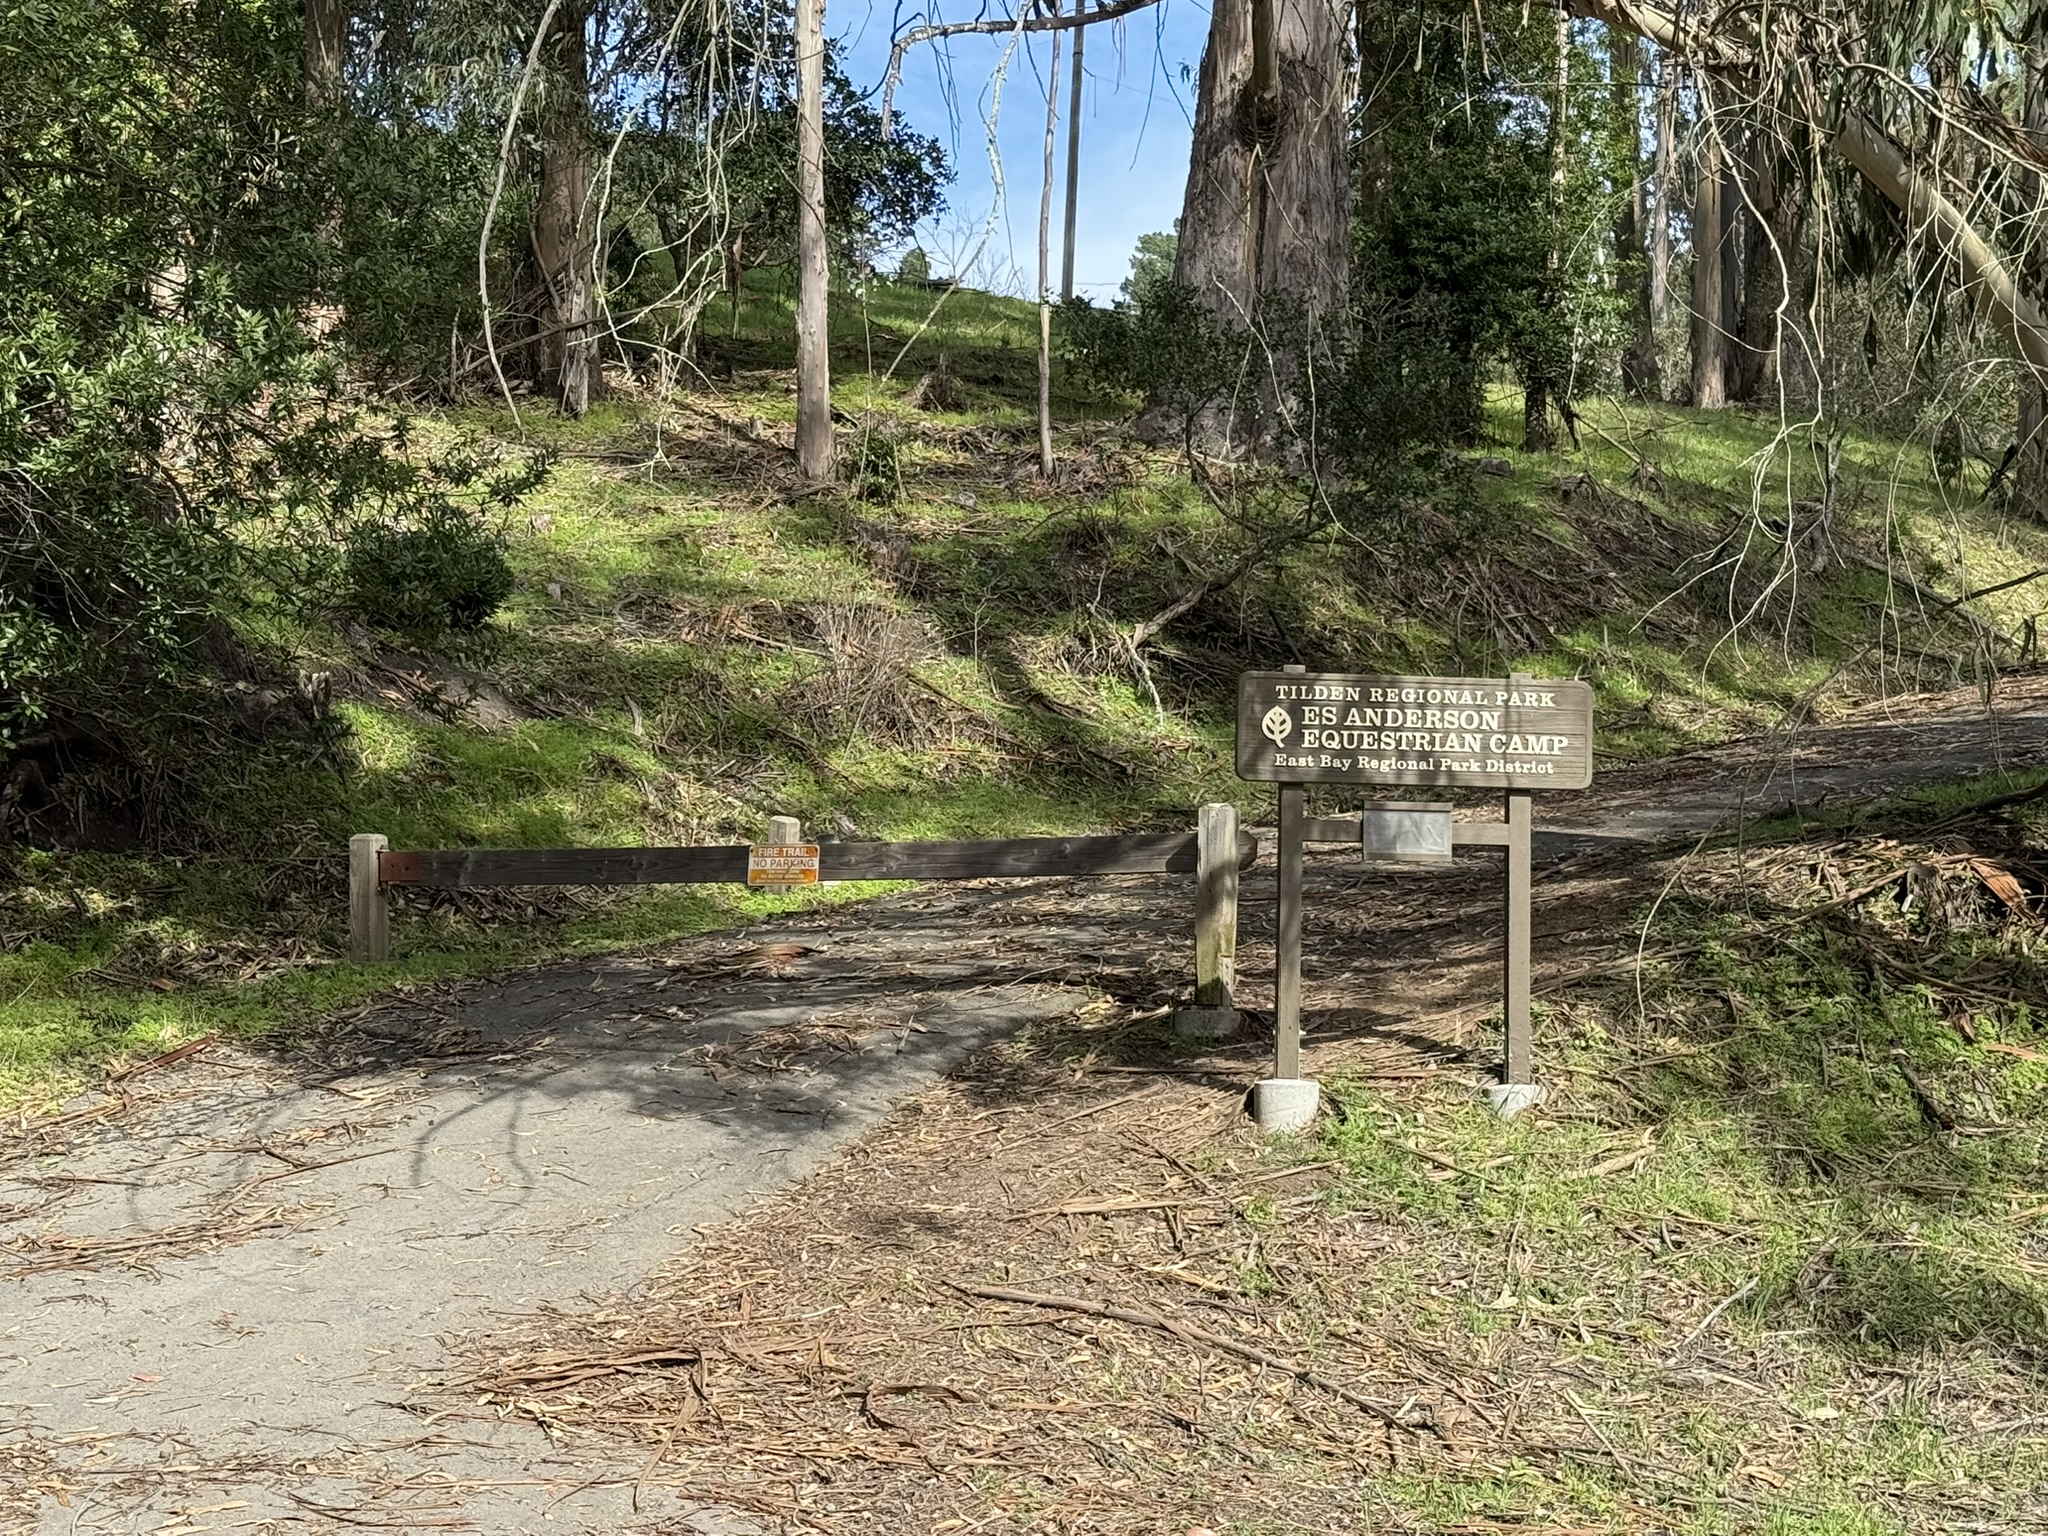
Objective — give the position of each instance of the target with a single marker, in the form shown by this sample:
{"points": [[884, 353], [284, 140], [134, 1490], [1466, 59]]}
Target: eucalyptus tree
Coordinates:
{"points": [[743, 150], [638, 155], [1937, 106], [1265, 221], [815, 453], [1641, 373]]}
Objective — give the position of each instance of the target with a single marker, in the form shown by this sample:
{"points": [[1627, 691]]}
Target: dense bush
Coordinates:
{"points": [[182, 448], [1163, 347], [445, 574]]}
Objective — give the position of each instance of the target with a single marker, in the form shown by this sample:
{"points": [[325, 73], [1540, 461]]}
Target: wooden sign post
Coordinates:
{"points": [[1519, 734]]}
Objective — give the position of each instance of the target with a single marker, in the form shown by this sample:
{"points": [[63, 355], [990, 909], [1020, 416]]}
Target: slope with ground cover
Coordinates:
{"points": [[954, 647]]}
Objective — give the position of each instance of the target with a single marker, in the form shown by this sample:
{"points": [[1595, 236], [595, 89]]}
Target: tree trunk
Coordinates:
{"points": [[815, 455], [326, 53], [1073, 159], [1052, 123], [1709, 338], [733, 260], [1777, 225], [1375, 170], [1537, 436], [1536, 381], [1930, 216], [2030, 432], [326, 40], [1639, 372], [1266, 214], [1304, 241], [564, 224], [1666, 188], [1934, 220], [1731, 264]]}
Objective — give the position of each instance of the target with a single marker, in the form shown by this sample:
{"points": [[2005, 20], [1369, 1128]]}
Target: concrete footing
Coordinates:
{"points": [[1284, 1105], [1205, 1023], [1510, 1099]]}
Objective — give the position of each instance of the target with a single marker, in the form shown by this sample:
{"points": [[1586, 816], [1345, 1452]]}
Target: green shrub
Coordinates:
{"points": [[440, 575], [1164, 347], [878, 468]]}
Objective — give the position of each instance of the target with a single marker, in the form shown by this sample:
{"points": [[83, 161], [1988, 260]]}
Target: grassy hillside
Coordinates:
{"points": [[945, 649]]}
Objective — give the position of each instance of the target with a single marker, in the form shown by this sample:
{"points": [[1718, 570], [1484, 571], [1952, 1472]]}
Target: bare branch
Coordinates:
{"points": [[1930, 215], [994, 27], [483, 239]]}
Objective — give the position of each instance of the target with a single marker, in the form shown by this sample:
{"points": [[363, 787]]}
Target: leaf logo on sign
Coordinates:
{"points": [[1277, 725]]}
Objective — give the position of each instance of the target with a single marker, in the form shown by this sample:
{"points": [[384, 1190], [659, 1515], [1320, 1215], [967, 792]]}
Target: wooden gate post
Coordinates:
{"points": [[369, 913], [1214, 1014]]}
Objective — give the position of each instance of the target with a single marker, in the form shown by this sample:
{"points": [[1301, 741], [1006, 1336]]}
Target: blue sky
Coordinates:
{"points": [[1134, 132]]}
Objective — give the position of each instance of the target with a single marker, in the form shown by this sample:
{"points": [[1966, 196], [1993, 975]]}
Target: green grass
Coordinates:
{"points": [[691, 648], [1742, 1134]]}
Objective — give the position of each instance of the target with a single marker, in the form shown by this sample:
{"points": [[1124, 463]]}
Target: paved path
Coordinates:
{"points": [[1905, 741], [227, 1276], [299, 1232]]}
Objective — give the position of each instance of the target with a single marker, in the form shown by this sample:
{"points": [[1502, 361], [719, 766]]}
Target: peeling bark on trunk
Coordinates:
{"points": [[1665, 188], [1639, 370], [1265, 221], [565, 224], [1709, 339], [816, 455], [1777, 225]]}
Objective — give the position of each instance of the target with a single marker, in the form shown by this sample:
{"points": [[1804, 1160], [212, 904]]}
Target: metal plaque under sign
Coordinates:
{"points": [[782, 864], [1352, 728], [1406, 834]]}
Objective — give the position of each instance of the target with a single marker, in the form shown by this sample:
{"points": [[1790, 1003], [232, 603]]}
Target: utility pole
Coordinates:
{"points": [[1073, 152]]}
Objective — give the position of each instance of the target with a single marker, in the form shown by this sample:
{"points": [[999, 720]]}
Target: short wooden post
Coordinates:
{"points": [[1517, 1089], [1287, 940], [369, 913], [1287, 1102], [1518, 1066], [785, 830], [1214, 1014]]}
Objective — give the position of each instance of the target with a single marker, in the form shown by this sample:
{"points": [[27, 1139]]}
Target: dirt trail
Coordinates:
{"points": [[239, 1282]]}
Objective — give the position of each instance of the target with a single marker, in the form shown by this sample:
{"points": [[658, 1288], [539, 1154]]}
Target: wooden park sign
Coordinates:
{"points": [[1473, 732], [1520, 734]]}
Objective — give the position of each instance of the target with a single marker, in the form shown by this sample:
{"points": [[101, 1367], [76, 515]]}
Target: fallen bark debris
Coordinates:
{"points": [[169, 1058], [1414, 1414], [1930, 1107]]}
